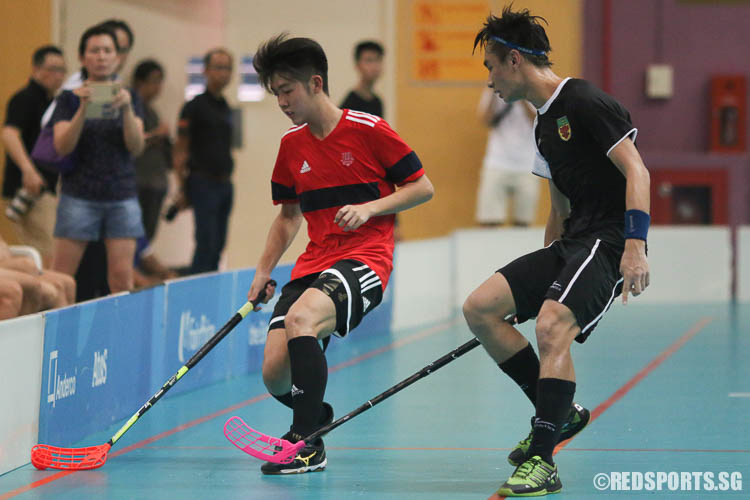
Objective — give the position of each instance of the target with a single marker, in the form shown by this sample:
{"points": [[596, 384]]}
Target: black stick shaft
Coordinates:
{"points": [[194, 359], [435, 365]]}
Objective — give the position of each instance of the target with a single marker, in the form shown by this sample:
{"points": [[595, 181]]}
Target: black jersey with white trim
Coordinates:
{"points": [[575, 131]]}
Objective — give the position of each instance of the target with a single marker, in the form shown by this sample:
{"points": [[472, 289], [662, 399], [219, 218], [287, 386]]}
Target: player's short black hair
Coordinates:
{"points": [[296, 58], [212, 52], [99, 29], [366, 45], [144, 69], [41, 53], [119, 24], [515, 30]]}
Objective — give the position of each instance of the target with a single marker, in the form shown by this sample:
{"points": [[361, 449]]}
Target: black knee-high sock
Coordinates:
{"points": [[309, 378], [523, 368], [554, 397], [285, 399]]}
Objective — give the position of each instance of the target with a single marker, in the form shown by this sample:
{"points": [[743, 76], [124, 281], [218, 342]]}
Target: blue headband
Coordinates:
{"points": [[532, 52]]}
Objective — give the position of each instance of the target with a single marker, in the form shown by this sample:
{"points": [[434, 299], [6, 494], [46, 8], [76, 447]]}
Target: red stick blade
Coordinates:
{"points": [[259, 445], [44, 456]]}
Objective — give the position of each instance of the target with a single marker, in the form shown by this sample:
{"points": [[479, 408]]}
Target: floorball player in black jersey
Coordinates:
{"points": [[598, 182]]}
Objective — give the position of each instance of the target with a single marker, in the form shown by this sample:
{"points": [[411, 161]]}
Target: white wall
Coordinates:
{"points": [[687, 264], [481, 252], [690, 264], [21, 344], [743, 264], [424, 282]]}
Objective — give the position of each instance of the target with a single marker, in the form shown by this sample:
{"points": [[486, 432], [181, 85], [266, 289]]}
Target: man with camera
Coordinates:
{"points": [[31, 190]]}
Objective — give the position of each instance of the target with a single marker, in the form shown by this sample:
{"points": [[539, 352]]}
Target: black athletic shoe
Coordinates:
{"points": [[271, 468], [578, 418], [311, 458]]}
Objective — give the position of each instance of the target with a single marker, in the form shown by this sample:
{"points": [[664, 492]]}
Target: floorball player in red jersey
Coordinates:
{"points": [[347, 173]]}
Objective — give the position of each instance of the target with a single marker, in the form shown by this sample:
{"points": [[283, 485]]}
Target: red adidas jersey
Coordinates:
{"points": [[361, 160]]}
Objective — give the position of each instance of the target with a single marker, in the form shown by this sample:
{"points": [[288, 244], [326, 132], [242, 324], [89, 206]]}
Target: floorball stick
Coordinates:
{"points": [[44, 456], [281, 451]]}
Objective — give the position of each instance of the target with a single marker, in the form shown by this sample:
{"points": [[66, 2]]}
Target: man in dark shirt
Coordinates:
{"points": [[368, 58], [21, 129], [585, 147], [203, 161]]}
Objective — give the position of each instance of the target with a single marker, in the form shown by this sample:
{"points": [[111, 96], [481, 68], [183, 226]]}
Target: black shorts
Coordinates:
{"points": [[354, 288], [583, 274]]}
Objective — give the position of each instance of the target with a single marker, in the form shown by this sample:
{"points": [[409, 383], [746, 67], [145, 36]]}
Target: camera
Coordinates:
{"points": [[20, 204], [171, 212]]}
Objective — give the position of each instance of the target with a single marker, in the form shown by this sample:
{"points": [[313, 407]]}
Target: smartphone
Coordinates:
{"points": [[102, 97]]}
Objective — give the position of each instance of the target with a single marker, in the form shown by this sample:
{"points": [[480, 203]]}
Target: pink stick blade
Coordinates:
{"points": [[53, 457], [259, 445]]}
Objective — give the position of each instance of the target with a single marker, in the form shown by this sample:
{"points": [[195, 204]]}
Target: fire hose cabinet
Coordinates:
{"points": [[728, 113]]}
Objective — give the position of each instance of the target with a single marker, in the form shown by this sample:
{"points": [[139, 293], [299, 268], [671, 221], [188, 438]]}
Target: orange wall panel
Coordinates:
{"points": [[439, 118], [25, 25]]}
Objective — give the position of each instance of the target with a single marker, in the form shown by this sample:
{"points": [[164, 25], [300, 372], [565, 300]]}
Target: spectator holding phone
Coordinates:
{"points": [[99, 197]]}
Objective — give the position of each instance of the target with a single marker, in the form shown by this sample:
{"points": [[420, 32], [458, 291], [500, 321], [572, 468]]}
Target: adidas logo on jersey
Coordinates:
{"points": [[363, 118], [365, 303], [296, 391], [305, 167]]}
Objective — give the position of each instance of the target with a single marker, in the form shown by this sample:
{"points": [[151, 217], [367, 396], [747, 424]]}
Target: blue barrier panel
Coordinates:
{"points": [[196, 309], [96, 363], [103, 359], [249, 340]]}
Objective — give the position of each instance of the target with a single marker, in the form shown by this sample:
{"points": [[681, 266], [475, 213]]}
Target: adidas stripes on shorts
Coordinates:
{"points": [[354, 288]]}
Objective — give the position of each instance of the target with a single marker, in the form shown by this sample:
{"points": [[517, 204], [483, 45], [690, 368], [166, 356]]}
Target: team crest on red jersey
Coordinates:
{"points": [[563, 128], [347, 159]]}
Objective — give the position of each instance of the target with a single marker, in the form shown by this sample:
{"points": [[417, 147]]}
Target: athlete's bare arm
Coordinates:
{"points": [[634, 264], [281, 234], [351, 217], [559, 210]]}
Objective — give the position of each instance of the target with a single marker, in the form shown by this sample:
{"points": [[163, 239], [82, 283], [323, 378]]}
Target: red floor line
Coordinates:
{"points": [[658, 450], [393, 345], [624, 450], [35, 484], [645, 371], [426, 448], [702, 323], [190, 424]]}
